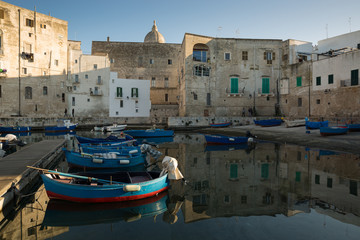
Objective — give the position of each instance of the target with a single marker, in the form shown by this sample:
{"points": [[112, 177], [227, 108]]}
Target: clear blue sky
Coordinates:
{"points": [[131, 20]]}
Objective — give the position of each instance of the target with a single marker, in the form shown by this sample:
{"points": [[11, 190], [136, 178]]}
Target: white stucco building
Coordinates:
{"points": [[88, 83], [129, 97]]}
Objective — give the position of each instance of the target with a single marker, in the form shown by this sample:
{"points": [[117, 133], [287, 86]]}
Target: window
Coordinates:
{"points": [[76, 78], [200, 52], [63, 97], [112, 60], [329, 183], [74, 88], [227, 56], [208, 99], [29, 22], [266, 85], [99, 80], [73, 101], [265, 170], [234, 85], [45, 91], [201, 71], [56, 62], [86, 76], [166, 97], [353, 188], [28, 93], [298, 81], [244, 55], [151, 61], [166, 82], [121, 103], [153, 82], [354, 77], [169, 61], [134, 92], [317, 101], [119, 92], [195, 96], [75, 60], [318, 81], [317, 179], [24, 70], [233, 171], [297, 176], [95, 66], [299, 102], [1, 14], [331, 79], [269, 56], [244, 199]]}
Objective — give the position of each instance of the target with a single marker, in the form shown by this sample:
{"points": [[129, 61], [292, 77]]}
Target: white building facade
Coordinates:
{"points": [[129, 97]]}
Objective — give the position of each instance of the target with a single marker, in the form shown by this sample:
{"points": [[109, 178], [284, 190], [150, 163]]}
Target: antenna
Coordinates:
{"points": [[219, 31], [326, 30], [350, 23], [237, 32]]}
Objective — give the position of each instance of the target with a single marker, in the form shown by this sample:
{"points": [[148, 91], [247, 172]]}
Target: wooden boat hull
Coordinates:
{"points": [[268, 122], [353, 127], [316, 125], [99, 193], [220, 125], [148, 133], [60, 129], [14, 129], [224, 140], [331, 131], [89, 161]]}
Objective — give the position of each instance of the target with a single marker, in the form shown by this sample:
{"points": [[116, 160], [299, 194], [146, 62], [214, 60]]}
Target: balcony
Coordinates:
{"points": [[239, 93], [27, 56], [3, 73], [96, 93]]}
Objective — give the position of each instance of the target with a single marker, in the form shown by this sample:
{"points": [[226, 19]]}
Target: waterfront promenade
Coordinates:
{"points": [[297, 135]]}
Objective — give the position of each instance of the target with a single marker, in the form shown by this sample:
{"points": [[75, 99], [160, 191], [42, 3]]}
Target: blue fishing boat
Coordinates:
{"points": [[268, 122], [330, 131], [63, 125], [316, 125], [91, 187], [220, 125], [102, 160], [109, 139], [224, 140], [63, 213], [148, 133], [155, 140], [120, 149], [353, 127], [16, 129]]}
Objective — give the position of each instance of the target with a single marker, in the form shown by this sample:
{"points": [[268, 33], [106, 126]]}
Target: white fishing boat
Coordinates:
{"points": [[115, 128], [294, 123]]}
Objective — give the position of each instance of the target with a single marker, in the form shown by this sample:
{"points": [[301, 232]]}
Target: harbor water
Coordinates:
{"points": [[264, 190]]}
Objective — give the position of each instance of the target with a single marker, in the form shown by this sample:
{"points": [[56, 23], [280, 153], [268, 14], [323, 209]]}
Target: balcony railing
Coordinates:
{"points": [[96, 93]]}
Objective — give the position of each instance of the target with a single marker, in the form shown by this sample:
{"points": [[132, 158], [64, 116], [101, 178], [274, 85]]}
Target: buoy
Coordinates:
{"points": [[96, 160], [132, 188], [124, 161]]}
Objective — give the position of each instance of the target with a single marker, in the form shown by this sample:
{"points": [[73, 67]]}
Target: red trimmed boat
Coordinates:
{"points": [[330, 131]]}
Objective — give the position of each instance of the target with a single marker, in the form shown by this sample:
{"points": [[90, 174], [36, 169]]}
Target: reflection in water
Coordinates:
{"points": [[267, 191], [61, 213]]}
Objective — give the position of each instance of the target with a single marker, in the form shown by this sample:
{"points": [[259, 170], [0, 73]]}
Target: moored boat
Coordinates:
{"points": [[316, 125], [63, 125], [115, 128], [109, 139], [220, 125], [353, 127], [295, 123], [148, 133], [97, 187], [15, 129], [268, 122], [330, 131], [103, 160], [224, 140]]}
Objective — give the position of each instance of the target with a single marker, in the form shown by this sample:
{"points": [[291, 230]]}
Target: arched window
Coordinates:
{"points": [[201, 53], [28, 93]]}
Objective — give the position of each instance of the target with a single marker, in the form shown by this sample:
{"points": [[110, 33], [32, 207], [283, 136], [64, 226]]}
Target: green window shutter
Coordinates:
{"points": [[233, 171], [318, 81], [137, 92], [265, 85], [298, 81], [331, 79], [265, 170], [297, 176], [354, 77], [234, 85], [119, 92]]}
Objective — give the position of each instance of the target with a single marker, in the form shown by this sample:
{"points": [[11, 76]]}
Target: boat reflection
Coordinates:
{"points": [[60, 213]]}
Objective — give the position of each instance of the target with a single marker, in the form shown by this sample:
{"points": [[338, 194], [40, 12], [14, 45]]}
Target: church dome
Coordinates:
{"points": [[154, 36]]}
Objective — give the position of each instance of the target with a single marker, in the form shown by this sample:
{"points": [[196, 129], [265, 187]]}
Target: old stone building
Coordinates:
{"points": [[223, 76], [152, 60], [33, 63]]}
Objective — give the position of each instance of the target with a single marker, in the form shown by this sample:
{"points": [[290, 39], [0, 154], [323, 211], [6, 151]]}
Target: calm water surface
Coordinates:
{"points": [[266, 191]]}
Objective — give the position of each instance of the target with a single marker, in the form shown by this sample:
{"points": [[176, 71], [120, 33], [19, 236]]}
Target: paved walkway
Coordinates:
{"points": [[296, 135]]}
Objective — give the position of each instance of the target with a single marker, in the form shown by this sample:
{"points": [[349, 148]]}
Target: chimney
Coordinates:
{"points": [[108, 39]]}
